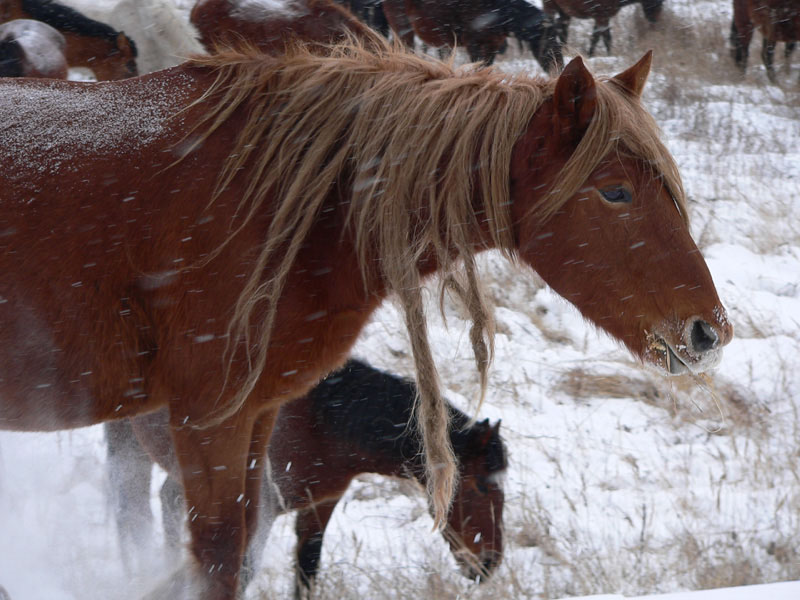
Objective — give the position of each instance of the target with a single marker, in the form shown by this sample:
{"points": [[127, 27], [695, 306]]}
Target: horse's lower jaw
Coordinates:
{"points": [[675, 366]]}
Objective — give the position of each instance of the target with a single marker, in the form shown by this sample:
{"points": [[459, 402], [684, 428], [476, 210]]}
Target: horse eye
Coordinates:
{"points": [[617, 195], [480, 483]]}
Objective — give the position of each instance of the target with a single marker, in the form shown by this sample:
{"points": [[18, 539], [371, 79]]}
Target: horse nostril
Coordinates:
{"points": [[703, 337]]}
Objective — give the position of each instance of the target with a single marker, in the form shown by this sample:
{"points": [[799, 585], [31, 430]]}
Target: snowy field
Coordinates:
{"points": [[620, 481]]}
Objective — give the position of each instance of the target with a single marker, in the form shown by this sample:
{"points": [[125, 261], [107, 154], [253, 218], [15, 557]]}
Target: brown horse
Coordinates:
{"points": [[213, 237], [601, 11], [357, 420], [272, 26], [448, 23], [31, 49], [479, 26], [777, 20], [110, 54]]}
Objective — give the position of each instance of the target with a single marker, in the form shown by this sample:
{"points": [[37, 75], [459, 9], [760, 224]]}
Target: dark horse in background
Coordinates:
{"points": [[110, 54], [481, 27], [601, 11], [357, 420], [369, 12], [776, 20], [31, 49], [213, 237]]}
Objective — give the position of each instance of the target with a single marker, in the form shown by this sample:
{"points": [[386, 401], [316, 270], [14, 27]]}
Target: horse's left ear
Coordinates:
{"points": [[484, 431], [123, 43], [575, 98], [634, 78]]}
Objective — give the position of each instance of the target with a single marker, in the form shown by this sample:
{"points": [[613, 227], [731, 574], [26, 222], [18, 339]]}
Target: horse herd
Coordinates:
{"points": [[190, 255]]}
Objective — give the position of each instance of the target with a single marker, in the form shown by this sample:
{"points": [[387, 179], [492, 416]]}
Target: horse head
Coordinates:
{"points": [[475, 523], [603, 221], [120, 62]]}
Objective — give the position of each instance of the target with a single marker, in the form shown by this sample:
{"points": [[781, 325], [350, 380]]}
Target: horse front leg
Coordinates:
{"points": [[263, 505], [310, 529], [213, 465], [602, 30], [741, 34], [768, 56]]}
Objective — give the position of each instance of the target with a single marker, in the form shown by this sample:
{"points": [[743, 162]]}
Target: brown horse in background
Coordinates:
{"points": [[213, 237], [31, 49], [272, 27], [777, 20], [357, 420], [110, 54], [601, 11]]}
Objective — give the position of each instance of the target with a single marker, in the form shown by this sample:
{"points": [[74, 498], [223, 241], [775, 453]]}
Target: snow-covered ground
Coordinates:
{"points": [[620, 482]]}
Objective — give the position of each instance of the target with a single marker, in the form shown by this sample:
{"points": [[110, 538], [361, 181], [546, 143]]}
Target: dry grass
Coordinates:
{"points": [[686, 399]]}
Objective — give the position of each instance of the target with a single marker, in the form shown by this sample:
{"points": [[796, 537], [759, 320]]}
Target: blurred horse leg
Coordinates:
{"points": [[768, 56], [129, 471]]}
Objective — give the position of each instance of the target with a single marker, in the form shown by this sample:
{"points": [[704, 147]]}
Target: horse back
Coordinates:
{"points": [[90, 240]]}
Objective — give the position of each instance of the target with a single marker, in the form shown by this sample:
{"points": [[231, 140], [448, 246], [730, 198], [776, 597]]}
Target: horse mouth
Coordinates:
{"points": [[670, 360]]}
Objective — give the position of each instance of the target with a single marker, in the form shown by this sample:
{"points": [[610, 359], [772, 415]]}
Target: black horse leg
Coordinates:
{"points": [[601, 30], [607, 38], [378, 20], [310, 529], [768, 56], [562, 27]]}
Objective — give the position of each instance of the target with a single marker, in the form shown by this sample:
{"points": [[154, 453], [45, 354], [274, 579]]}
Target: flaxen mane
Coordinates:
{"points": [[422, 151]]}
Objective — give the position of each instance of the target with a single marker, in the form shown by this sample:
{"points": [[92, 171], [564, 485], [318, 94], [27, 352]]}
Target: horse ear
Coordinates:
{"points": [[486, 431], [123, 44], [634, 78], [575, 97]]}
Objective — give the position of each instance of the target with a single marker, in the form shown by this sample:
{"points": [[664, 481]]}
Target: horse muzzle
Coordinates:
{"points": [[693, 347]]}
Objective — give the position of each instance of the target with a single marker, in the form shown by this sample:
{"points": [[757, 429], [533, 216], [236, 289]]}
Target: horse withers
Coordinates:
{"points": [[108, 53], [31, 49], [213, 237], [357, 420]]}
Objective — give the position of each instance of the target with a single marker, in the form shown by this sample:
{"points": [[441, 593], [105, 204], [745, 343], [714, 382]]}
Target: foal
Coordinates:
{"points": [[357, 420]]}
